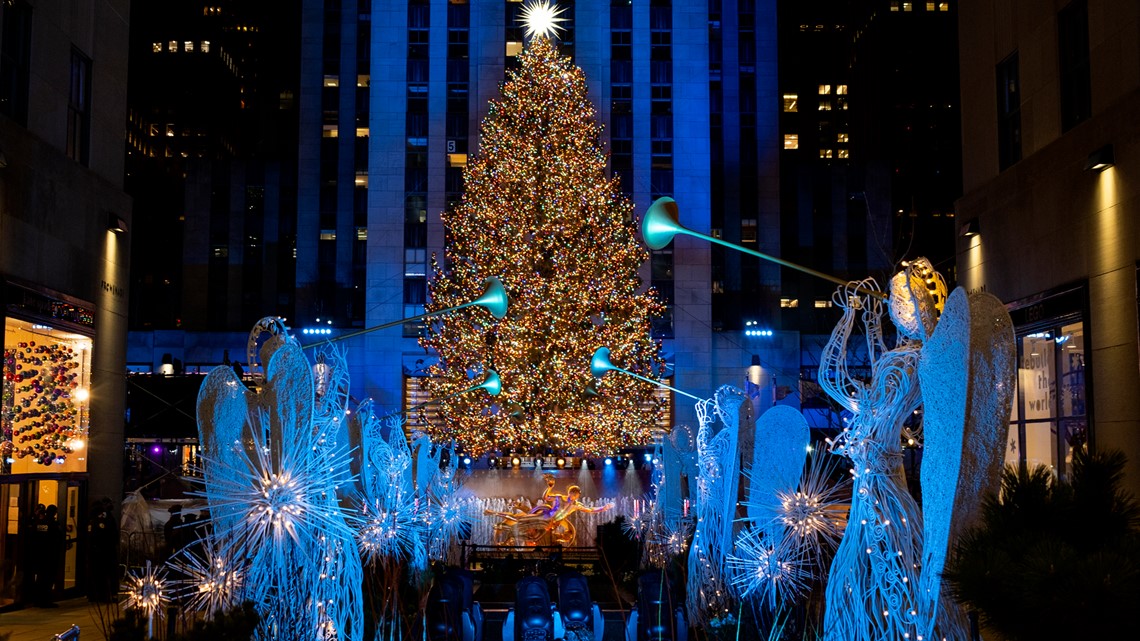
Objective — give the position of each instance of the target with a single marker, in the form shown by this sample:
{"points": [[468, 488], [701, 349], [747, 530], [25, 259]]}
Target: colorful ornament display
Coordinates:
{"points": [[39, 417]]}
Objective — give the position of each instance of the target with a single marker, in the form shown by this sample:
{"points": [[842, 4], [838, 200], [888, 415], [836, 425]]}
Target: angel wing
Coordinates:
{"points": [[966, 372], [782, 436], [224, 428]]}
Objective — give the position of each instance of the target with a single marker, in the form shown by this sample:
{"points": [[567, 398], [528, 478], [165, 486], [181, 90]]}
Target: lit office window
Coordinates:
{"points": [[363, 80], [362, 132], [204, 47], [841, 137], [843, 153], [329, 131], [908, 6], [172, 46], [894, 5], [822, 304], [943, 6], [791, 141], [332, 81], [824, 90], [790, 303], [930, 6], [791, 102], [824, 104], [328, 234], [156, 47], [361, 179], [188, 46], [841, 90], [825, 153], [361, 233]]}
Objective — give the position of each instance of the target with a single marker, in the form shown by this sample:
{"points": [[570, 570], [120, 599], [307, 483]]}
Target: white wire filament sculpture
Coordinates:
{"points": [[212, 583], [146, 590], [771, 570], [273, 471], [707, 594]]}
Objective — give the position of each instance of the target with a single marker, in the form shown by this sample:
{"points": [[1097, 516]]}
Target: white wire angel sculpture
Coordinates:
{"points": [[883, 584], [869, 593]]}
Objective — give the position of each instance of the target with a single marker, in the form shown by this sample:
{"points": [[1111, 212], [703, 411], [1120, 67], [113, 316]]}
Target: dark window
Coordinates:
{"points": [[79, 108], [1009, 112], [621, 71], [415, 292], [15, 54], [621, 16], [1073, 54]]}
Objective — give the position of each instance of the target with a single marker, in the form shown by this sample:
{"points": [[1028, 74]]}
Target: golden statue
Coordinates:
{"points": [[547, 522]]}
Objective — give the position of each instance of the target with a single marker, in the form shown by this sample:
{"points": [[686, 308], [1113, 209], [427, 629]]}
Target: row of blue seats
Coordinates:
{"points": [[452, 614]]}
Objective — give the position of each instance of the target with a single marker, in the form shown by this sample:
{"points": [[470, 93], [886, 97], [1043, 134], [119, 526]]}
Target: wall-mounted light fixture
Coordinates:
{"points": [[970, 228], [116, 224], [1101, 159]]}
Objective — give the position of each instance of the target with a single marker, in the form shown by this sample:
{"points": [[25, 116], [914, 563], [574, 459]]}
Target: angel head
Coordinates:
{"points": [[917, 296]]}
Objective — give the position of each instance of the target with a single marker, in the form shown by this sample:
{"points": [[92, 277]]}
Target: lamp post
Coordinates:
{"points": [[494, 299], [660, 225]]}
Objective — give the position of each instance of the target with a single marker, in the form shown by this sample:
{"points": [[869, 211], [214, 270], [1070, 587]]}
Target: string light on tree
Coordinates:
{"points": [[540, 213]]}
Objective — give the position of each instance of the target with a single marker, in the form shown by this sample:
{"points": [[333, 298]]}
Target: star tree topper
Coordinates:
{"points": [[541, 19]]}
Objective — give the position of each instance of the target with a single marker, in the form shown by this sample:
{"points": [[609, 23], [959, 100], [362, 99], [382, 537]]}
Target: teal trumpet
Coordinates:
{"points": [[492, 383], [494, 299], [661, 224], [600, 363]]}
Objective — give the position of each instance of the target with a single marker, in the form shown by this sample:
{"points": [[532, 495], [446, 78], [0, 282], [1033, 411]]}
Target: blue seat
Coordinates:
{"points": [[656, 617], [450, 613], [533, 617], [578, 612]]}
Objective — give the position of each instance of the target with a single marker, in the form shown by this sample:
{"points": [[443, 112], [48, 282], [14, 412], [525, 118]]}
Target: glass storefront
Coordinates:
{"points": [[1049, 419], [45, 383], [44, 407]]}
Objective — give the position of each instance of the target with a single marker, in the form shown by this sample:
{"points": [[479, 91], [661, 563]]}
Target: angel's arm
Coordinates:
{"points": [[833, 375]]}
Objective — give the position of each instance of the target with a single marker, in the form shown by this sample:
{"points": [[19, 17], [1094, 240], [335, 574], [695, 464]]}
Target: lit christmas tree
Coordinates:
{"points": [[540, 214]]}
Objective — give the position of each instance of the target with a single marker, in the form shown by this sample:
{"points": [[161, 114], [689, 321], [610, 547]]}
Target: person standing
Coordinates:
{"points": [[172, 531], [103, 552], [48, 550]]}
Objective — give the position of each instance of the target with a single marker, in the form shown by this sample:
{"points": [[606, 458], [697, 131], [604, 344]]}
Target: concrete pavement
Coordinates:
{"points": [[42, 624]]}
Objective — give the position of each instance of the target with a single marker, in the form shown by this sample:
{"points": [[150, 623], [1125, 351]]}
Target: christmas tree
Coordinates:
{"points": [[540, 214]]}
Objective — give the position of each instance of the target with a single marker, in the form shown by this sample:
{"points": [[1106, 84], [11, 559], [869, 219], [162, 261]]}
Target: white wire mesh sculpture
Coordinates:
{"points": [[273, 470], [707, 593], [880, 586]]}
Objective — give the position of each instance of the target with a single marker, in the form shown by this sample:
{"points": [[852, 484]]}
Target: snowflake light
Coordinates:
{"points": [[763, 568], [146, 591], [212, 584]]}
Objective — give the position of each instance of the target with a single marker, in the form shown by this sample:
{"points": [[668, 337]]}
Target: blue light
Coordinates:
{"points": [[609, 461], [467, 460], [648, 456]]}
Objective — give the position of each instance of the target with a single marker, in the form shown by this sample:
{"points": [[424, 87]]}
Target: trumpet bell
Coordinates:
{"points": [[660, 223], [492, 383], [600, 362], [494, 298]]}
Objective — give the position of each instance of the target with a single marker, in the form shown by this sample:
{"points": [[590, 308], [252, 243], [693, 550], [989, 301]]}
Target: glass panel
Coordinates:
{"points": [[44, 407], [9, 531], [1013, 445], [71, 532], [1070, 345], [1041, 444], [1036, 376]]}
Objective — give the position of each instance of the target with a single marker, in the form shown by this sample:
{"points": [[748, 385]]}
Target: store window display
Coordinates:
{"points": [[44, 407]]}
